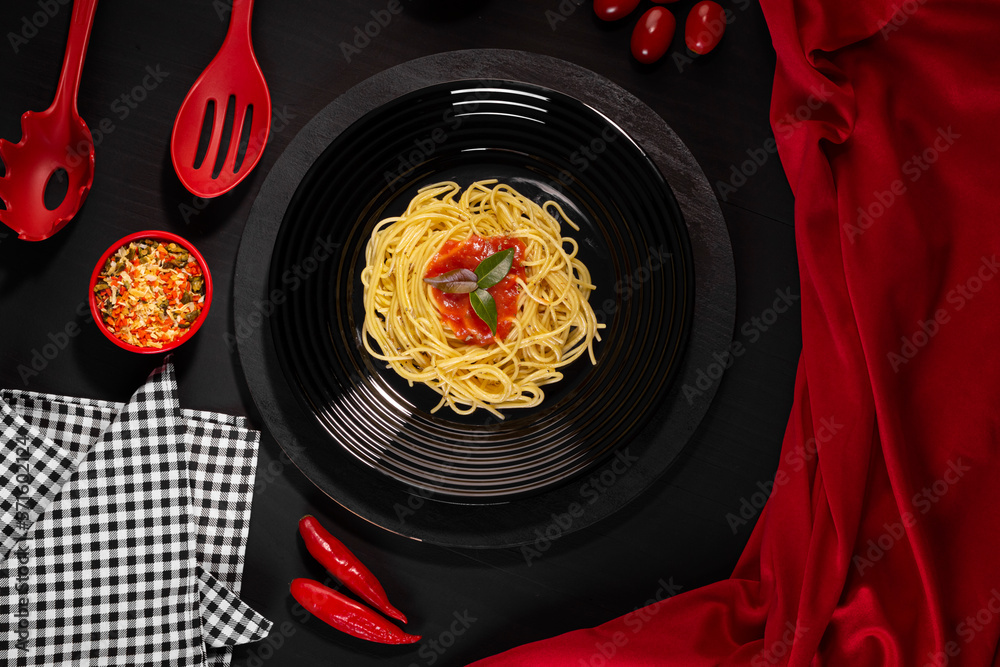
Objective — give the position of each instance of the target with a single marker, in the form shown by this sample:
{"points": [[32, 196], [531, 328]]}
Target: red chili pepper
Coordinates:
{"points": [[341, 563], [347, 615]]}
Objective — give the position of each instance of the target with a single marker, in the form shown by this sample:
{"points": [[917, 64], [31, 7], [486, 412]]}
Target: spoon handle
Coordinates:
{"points": [[76, 50], [239, 23]]}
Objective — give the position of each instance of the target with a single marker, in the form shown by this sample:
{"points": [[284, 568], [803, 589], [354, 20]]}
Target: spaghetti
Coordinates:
{"points": [[553, 324]]}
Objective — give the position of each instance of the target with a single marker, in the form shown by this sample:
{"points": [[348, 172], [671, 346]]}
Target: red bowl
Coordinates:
{"points": [[159, 236]]}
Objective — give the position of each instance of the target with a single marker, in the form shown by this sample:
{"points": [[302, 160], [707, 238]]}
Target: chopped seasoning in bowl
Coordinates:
{"points": [[150, 292]]}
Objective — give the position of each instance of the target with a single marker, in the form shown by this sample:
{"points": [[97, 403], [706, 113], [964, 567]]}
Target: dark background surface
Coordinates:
{"points": [[685, 532]]}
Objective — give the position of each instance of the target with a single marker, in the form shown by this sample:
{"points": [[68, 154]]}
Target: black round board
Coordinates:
{"points": [[650, 232]]}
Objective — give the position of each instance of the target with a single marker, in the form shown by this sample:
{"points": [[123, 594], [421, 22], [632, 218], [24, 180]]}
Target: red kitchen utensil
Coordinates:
{"points": [[230, 101], [54, 139]]}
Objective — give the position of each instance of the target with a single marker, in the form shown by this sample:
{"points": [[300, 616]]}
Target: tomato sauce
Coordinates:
{"points": [[455, 309]]}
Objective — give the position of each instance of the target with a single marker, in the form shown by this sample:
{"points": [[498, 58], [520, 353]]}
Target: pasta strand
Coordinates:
{"points": [[554, 324]]}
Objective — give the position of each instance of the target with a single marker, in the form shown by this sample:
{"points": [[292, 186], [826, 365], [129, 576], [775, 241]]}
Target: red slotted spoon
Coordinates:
{"points": [[232, 82], [54, 139]]}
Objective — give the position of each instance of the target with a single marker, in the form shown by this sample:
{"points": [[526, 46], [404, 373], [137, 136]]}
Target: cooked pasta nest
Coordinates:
{"points": [[554, 324]]}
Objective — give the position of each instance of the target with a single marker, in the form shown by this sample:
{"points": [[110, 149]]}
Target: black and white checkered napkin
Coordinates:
{"points": [[122, 530]]}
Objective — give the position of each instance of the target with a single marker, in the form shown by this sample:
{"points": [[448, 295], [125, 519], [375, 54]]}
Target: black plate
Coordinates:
{"points": [[367, 438], [547, 146]]}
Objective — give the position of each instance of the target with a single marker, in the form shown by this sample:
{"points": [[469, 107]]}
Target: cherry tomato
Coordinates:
{"points": [[612, 10], [652, 35], [704, 27]]}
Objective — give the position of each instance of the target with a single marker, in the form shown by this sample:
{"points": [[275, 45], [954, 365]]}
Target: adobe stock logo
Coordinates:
{"points": [[608, 646], [913, 168], [566, 9], [363, 35], [30, 25], [796, 459], [967, 630], [775, 653], [785, 127], [923, 502], [592, 490], [899, 18], [752, 330]]}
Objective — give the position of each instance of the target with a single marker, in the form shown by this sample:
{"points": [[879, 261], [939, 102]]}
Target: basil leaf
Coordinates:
{"points": [[457, 281], [484, 305], [493, 269]]}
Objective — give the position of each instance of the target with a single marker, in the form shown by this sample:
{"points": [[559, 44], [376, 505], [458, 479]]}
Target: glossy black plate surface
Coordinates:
{"points": [[359, 431], [547, 146]]}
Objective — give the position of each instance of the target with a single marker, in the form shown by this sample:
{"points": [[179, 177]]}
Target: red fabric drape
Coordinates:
{"points": [[880, 543]]}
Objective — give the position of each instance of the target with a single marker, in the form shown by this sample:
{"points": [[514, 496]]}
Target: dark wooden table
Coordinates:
{"points": [[685, 532]]}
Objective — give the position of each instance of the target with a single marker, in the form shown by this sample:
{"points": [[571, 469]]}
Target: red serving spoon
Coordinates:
{"points": [[233, 78], [54, 139]]}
